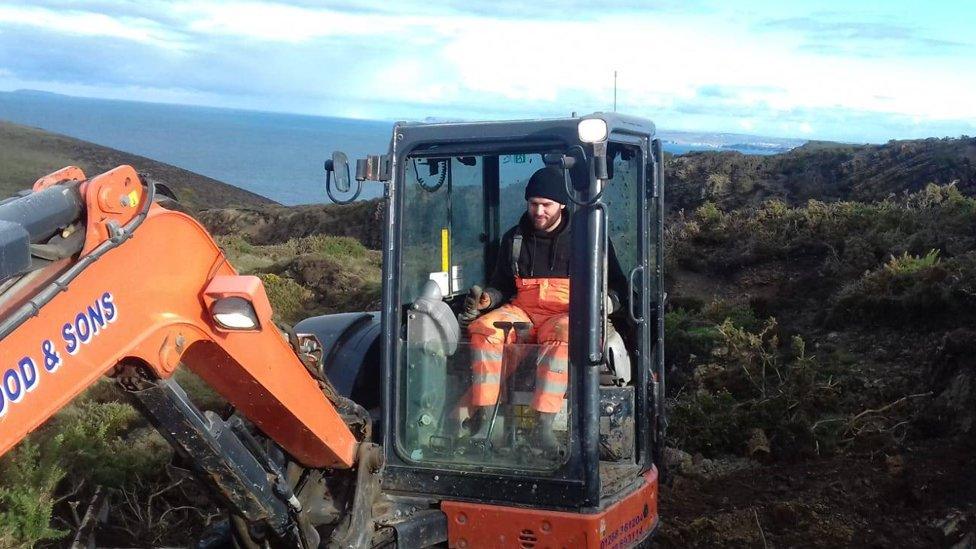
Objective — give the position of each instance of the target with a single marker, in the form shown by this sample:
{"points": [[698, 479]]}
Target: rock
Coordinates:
{"points": [[958, 530], [757, 445], [677, 459], [895, 465], [951, 523], [699, 467]]}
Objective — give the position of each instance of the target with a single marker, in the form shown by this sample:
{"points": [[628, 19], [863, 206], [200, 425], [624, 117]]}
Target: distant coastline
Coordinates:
{"points": [[27, 153], [276, 155]]}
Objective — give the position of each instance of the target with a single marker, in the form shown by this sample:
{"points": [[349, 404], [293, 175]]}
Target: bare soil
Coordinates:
{"points": [[922, 497]]}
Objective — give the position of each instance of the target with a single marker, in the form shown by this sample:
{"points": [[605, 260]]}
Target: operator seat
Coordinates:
{"points": [[432, 340], [431, 322]]}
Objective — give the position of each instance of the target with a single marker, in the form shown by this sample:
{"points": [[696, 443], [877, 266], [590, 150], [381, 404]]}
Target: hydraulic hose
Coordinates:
{"points": [[33, 306]]}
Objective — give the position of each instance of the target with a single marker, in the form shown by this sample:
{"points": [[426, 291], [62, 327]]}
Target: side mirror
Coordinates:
{"points": [[337, 171], [339, 166]]}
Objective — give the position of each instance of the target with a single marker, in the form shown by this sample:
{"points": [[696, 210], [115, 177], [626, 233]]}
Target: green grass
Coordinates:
{"points": [[26, 155], [288, 298], [312, 275], [94, 441]]}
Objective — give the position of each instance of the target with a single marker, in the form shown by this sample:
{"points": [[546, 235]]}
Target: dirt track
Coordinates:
{"points": [[922, 498]]}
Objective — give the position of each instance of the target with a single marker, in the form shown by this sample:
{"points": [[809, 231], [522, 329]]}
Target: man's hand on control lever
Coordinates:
{"points": [[475, 302]]}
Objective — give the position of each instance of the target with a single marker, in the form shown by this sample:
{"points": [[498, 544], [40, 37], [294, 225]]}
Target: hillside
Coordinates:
{"points": [[272, 224], [822, 171], [28, 153], [820, 374], [822, 390]]}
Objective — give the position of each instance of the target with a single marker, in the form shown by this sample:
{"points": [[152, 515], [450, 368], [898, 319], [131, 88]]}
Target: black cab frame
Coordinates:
{"points": [[451, 191]]}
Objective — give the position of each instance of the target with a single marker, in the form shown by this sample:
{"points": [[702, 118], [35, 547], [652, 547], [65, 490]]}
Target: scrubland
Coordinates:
{"points": [[820, 354]]}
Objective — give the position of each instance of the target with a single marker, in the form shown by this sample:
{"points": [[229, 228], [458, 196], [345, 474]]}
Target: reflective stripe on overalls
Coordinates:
{"points": [[543, 302]]}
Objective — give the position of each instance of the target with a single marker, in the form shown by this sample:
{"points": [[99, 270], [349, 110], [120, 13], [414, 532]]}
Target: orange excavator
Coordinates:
{"points": [[355, 429]]}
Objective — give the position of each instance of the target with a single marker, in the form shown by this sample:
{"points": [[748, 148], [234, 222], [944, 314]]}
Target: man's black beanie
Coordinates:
{"points": [[547, 183]]}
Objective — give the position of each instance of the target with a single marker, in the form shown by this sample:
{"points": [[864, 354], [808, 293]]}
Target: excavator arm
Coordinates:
{"points": [[147, 292]]}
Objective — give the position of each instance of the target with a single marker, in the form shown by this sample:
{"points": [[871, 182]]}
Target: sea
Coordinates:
{"points": [[277, 155]]}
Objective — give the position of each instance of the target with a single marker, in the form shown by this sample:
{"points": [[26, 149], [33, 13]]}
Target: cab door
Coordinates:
{"points": [[628, 198], [653, 214]]}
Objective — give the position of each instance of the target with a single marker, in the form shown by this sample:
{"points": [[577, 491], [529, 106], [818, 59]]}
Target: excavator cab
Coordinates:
{"points": [[452, 191]]}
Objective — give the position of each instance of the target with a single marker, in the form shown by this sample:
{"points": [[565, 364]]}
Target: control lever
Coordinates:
{"points": [[506, 328], [522, 330]]}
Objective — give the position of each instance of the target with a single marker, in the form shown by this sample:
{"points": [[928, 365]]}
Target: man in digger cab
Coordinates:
{"points": [[530, 284]]}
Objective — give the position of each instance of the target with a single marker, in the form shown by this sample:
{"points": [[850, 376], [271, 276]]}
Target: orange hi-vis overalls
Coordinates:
{"points": [[544, 302]]}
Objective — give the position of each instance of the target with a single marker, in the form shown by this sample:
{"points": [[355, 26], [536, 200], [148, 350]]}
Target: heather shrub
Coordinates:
{"points": [[29, 477], [846, 238], [751, 381], [911, 290], [341, 247], [287, 297], [688, 337], [89, 443]]}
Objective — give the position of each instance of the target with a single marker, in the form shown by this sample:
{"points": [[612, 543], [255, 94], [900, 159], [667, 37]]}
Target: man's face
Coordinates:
{"points": [[545, 213]]}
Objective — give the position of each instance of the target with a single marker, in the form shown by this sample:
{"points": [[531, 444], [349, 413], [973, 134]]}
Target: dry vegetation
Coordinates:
{"points": [[820, 347], [820, 354]]}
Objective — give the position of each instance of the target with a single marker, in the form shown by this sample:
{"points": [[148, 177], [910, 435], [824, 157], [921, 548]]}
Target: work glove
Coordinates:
{"points": [[475, 302]]}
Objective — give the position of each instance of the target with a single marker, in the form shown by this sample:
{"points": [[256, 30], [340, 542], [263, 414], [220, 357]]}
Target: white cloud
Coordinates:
{"points": [[267, 21], [261, 21], [85, 23], [520, 60], [450, 60]]}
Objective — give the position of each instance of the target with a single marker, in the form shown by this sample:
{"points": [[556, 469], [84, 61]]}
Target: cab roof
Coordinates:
{"points": [[519, 129]]}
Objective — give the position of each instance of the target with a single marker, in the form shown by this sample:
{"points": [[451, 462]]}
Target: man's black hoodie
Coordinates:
{"points": [[544, 255]]}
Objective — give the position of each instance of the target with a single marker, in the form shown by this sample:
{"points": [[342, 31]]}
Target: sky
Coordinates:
{"points": [[865, 71]]}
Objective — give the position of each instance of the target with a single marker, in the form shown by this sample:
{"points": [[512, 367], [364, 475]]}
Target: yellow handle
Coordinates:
{"points": [[445, 255]]}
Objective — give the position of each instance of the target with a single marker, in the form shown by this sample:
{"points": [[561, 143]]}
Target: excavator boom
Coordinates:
{"points": [[148, 298]]}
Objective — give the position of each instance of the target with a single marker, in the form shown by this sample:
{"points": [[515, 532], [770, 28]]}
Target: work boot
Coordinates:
{"points": [[544, 436], [479, 422]]}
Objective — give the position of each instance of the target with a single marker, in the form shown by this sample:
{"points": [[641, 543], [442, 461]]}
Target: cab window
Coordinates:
{"points": [[443, 223], [444, 236]]}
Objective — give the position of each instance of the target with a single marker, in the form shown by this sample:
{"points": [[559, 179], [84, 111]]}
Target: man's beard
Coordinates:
{"points": [[553, 221]]}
